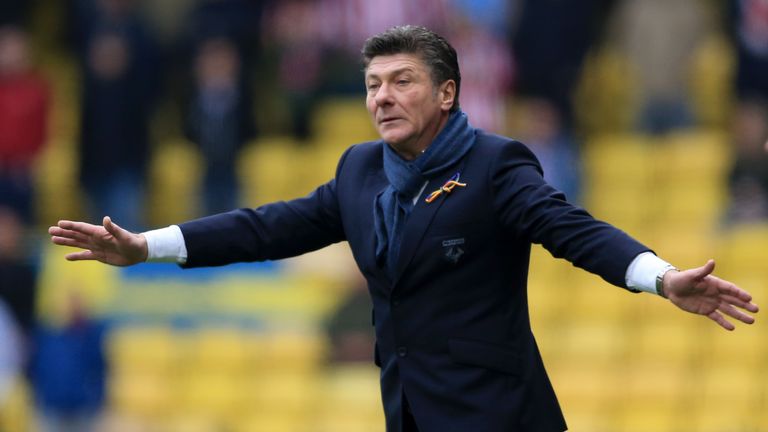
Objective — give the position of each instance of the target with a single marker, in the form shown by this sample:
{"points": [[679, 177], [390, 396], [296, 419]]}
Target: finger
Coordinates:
{"points": [[114, 228], [705, 270], [728, 288], [735, 313], [740, 303], [60, 232], [720, 320], [64, 241], [733, 290], [81, 256], [80, 227]]}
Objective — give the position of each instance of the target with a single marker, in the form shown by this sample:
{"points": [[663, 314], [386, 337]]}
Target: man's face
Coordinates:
{"points": [[407, 109]]}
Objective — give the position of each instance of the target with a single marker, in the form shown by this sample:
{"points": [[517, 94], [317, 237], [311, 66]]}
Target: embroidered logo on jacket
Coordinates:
{"points": [[453, 249]]}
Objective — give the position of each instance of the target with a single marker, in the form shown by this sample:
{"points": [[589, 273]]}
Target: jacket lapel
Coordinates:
{"points": [[375, 182], [418, 222]]}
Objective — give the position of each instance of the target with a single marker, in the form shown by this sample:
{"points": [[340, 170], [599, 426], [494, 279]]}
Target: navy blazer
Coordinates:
{"points": [[453, 334]]}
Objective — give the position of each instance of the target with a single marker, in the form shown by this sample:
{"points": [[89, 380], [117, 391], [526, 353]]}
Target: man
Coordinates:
{"points": [[440, 218]]}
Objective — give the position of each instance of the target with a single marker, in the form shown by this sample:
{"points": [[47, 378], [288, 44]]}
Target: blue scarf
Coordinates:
{"points": [[393, 205]]}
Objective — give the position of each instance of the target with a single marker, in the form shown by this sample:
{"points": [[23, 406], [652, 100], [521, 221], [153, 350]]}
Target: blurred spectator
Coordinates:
{"points": [[24, 105], [660, 38], [69, 371], [495, 16], [293, 31], [346, 24], [18, 282], [748, 180], [219, 119], [549, 42], [237, 21], [749, 25], [10, 354], [486, 73], [543, 132], [120, 81], [318, 44]]}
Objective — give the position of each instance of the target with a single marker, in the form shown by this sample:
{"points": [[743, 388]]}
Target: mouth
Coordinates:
{"points": [[388, 120]]}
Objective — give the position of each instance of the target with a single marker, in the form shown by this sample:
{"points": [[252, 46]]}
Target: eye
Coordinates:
{"points": [[402, 82], [372, 87]]}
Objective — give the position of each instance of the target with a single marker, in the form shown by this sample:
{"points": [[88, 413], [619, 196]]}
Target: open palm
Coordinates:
{"points": [[698, 291], [106, 243]]}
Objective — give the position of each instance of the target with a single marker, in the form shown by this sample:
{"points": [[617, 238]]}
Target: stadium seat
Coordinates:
{"points": [[218, 348], [147, 395], [340, 122], [173, 192], [151, 349]]}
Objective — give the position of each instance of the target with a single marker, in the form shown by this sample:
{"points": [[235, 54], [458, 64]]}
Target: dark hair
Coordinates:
{"points": [[432, 48]]}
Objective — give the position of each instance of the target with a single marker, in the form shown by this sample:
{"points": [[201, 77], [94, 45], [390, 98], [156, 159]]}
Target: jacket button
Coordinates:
{"points": [[402, 351], [395, 303]]}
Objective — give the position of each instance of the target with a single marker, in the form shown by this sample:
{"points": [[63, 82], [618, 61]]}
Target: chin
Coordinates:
{"points": [[393, 137], [390, 139]]}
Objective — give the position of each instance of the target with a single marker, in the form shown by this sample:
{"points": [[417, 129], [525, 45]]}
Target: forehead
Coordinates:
{"points": [[393, 63]]}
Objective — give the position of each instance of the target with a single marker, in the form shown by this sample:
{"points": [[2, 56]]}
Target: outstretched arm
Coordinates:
{"points": [[107, 243], [698, 291]]}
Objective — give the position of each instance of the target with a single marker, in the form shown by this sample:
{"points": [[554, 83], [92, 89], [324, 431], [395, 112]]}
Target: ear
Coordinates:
{"points": [[447, 94]]}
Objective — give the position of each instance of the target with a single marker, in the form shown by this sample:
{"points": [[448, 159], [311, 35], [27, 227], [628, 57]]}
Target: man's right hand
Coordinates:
{"points": [[108, 243]]}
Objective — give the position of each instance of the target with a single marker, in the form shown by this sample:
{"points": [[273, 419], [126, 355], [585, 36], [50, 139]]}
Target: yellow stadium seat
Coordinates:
{"points": [[289, 351], [584, 386], [143, 394], [712, 79], [191, 422], [693, 154], [350, 399], [743, 249], [214, 395], [640, 418], [16, 409], [173, 192], [342, 121], [283, 394], [267, 171], [152, 349], [619, 158], [266, 423], [746, 347], [212, 349]]}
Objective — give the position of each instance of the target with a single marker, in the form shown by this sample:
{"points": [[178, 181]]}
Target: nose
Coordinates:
{"points": [[383, 95]]}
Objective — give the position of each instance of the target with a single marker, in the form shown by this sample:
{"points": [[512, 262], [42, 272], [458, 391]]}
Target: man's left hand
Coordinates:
{"points": [[698, 291]]}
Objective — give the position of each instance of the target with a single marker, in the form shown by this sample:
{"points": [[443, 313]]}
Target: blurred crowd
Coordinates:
{"points": [[231, 71], [234, 70]]}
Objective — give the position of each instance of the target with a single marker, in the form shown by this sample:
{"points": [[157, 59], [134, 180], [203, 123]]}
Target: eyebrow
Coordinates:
{"points": [[393, 73]]}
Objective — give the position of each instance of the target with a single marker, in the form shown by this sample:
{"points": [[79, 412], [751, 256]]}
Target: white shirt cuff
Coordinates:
{"points": [[166, 245], [642, 272]]}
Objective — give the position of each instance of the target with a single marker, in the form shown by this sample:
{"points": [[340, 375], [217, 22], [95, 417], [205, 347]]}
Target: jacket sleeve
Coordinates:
{"points": [[531, 209], [273, 231]]}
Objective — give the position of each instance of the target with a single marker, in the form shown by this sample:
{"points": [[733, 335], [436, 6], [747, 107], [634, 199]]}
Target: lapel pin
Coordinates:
{"points": [[447, 188]]}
